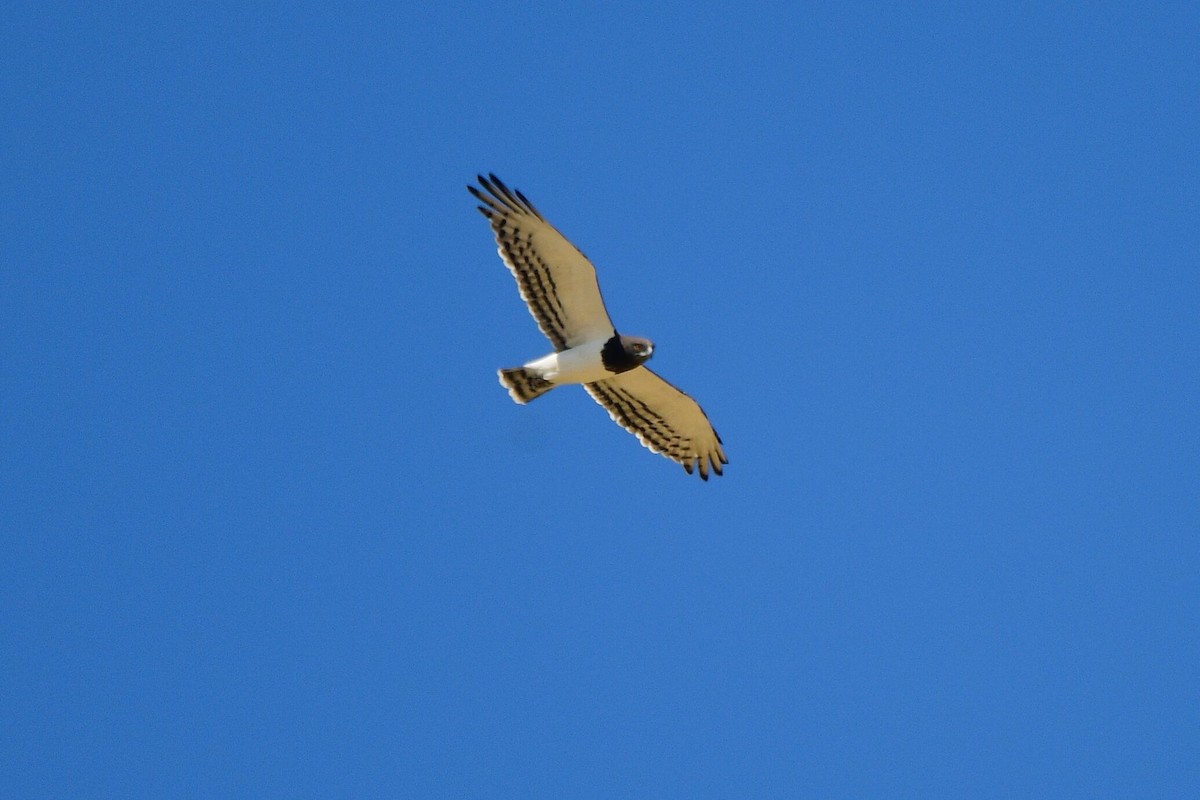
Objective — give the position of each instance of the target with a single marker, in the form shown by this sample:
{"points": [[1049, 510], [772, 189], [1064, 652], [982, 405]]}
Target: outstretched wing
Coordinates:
{"points": [[557, 282], [663, 418]]}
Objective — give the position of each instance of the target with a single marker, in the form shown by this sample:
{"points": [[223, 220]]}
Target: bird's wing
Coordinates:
{"points": [[663, 418], [556, 280]]}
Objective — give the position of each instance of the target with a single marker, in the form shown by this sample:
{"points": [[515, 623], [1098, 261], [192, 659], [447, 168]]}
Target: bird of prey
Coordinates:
{"points": [[559, 285]]}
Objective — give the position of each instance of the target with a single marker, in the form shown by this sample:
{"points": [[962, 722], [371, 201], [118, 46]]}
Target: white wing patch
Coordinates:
{"points": [[556, 280], [663, 418]]}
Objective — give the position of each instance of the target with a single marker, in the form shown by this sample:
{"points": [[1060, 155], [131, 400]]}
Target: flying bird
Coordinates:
{"points": [[559, 285]]}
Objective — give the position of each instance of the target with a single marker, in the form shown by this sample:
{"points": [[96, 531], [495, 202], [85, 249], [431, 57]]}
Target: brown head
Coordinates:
{"points": [[623, 353]]}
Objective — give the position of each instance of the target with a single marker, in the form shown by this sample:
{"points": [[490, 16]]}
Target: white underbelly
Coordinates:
{"points": [[580, 364]]}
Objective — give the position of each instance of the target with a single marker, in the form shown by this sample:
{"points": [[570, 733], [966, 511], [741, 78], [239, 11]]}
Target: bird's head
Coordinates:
{"points": [[638, 348]]}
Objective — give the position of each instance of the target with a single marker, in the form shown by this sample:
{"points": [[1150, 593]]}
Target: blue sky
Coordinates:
{"points": [[271, 528]]}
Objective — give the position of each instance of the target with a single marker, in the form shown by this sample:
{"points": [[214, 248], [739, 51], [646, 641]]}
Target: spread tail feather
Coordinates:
{"points": [[524, 384]]}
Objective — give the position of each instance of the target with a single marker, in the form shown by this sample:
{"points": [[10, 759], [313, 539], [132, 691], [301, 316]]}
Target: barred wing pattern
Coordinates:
{"points": [[556, 280], [663, 418]]}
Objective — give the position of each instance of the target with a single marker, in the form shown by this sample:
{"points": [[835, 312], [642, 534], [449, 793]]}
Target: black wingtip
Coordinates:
{"points": [[504, 190], [502, 198], [488, 186]]}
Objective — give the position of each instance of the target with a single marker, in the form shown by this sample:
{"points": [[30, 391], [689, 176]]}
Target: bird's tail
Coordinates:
{"points": [[524, 384]]}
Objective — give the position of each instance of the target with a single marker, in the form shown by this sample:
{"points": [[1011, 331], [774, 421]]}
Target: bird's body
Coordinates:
{"points": [[580, 364], [591, 361], [559, 285], [584, 363]]}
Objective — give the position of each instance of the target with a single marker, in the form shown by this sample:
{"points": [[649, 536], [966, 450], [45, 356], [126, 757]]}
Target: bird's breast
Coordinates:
{"points": [[580, 364]]}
